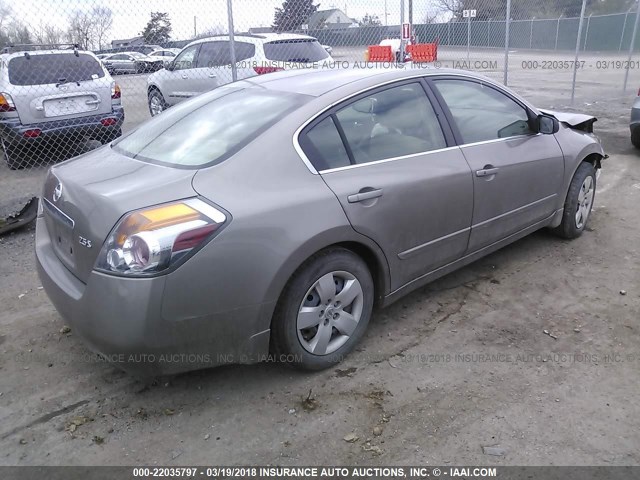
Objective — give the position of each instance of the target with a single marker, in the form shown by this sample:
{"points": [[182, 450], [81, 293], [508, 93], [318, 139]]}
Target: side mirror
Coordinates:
{"points": [[170, 66], [548, 125]]}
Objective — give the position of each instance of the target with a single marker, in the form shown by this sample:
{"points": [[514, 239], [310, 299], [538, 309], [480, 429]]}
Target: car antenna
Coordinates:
{"points": [[75, 50], [26, 55]]}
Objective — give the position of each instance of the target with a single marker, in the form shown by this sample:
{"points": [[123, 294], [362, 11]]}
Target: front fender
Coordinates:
{"points": [[576, 146]]}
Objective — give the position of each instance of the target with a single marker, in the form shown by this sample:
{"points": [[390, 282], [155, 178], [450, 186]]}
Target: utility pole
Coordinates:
{"points": [[195, 27], [632, 45], [575, 63], [411, 14], [386, 14]]}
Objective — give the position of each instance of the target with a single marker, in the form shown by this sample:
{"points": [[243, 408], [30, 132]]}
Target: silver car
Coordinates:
{"points": [[265, 219], [55, 97], [205, 64], [131, 62]]}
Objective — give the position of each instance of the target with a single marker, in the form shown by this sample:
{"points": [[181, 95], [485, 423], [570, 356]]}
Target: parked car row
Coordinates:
{"points": [[132, 62], [66, 96]]}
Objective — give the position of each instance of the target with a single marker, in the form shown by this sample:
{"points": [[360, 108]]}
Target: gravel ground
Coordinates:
{"points": [[459, 365]]}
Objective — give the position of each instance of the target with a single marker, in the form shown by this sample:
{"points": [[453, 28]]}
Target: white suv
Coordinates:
{"points": [[206, 64]]}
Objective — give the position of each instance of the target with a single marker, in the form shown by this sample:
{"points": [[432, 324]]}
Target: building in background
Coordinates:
{"points": [[333, 18], [128, 42]]}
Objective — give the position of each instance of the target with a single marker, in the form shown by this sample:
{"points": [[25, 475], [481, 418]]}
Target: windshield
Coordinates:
{"points": [[53, 68], [209, 128], [295, 50], [137, 54]]}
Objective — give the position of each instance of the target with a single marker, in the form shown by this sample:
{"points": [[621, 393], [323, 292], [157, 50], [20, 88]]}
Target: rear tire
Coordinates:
{"points": [[579, 201], [157, 105], [635, 137], [323, 311], [11, 156]]}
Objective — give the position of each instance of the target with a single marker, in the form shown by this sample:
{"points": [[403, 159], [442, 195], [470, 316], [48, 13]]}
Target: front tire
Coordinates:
{"points": [[157, 105], [635, 137], [323, 311], [579, 201]]}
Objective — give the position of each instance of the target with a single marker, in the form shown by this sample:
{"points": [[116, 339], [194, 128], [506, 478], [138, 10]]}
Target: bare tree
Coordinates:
{"points": [[213, 30], [5, 13], [102, 23], [18, 33], [81, 30], [47, 34]]}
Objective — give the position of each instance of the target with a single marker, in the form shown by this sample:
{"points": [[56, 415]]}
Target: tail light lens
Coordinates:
{"points": [[147, 242], [115, 91], [6, 103], [263, 70], [32, 133], [108, 122]]}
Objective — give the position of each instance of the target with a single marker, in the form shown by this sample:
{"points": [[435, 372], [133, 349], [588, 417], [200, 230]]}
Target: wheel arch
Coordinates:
{"points": [[366, 249]]}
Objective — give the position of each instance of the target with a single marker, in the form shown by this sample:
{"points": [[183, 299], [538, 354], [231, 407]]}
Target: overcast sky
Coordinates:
{"points": [[130, 16]]}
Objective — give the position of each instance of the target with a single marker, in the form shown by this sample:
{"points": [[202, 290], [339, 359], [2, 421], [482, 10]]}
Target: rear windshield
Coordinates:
{"points": [[53, 68], [209, 128], [296, 50]]}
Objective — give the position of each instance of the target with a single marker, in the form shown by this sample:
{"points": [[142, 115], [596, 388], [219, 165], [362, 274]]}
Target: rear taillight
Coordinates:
{"points": [[108, 122], [115, 91], [146, 242], [6, 103], [32, 133], [639, 92], [264, 70]]}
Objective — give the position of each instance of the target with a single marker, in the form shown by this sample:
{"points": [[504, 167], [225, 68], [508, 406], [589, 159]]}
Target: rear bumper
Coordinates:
{"points": [[122, 320], [12, 130]]}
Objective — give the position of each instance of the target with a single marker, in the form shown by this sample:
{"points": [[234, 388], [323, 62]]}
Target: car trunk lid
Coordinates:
{"points": [[56, 86], [84, 198]]}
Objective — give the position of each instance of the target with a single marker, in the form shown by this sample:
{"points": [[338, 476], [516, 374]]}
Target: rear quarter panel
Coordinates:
{"points": [[281, 215]]}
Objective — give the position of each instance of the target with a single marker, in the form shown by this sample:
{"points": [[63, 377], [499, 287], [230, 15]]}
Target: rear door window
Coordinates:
{"points": [[295, 50], [323, 146], [391, 123], [217, 54], [51, 68]]}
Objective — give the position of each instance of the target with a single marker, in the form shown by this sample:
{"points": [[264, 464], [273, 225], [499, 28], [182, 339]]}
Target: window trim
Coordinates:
{"points": [[452, 123], [332, 109]]}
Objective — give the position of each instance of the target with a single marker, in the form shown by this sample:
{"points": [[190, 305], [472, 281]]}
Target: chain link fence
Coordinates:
{"points": [[76, 75]]}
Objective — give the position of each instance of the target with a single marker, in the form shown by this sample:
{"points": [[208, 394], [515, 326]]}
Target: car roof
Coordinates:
{"points": [[20, 53], [319, 81], [127, 53], [267, 37]]}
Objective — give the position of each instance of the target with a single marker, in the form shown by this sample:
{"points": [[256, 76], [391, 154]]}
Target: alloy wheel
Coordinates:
{"points": [[330, 312], [585, 199], [155, 105]]}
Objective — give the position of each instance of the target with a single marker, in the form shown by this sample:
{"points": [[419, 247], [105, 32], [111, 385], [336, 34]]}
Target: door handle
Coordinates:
{"points": [[185, 76], [487, 171], [366, 195], [212, 75]]}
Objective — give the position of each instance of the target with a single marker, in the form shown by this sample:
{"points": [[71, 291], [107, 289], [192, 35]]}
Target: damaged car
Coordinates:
{"points": [[266, 219]]}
